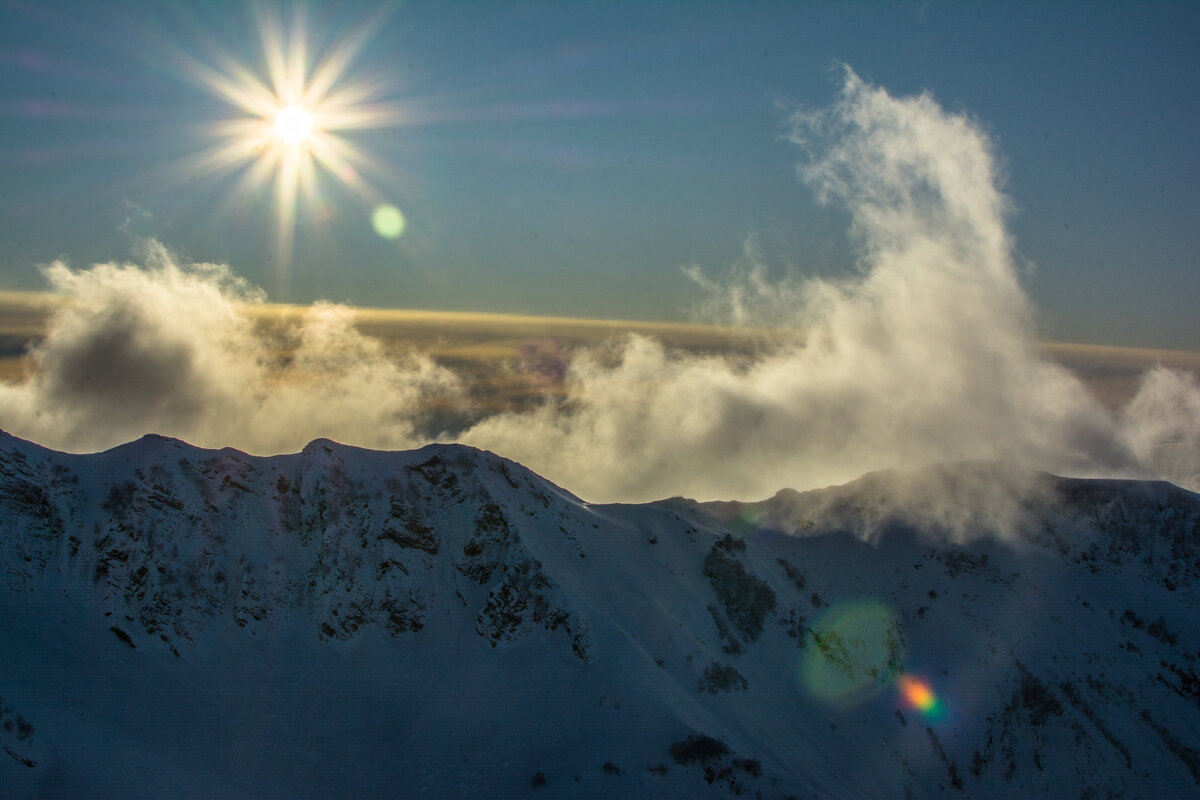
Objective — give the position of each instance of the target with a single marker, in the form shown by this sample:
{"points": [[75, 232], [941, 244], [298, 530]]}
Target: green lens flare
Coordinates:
{"points": [[387, 221], [852, 653]]}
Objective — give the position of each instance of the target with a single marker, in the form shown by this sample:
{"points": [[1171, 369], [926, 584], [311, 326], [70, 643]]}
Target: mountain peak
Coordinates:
{"points": [[445, 620]]}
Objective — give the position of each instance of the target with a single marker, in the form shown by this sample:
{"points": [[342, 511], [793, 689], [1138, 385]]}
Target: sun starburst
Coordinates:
{"points": [[291, 123], [294, 125]]}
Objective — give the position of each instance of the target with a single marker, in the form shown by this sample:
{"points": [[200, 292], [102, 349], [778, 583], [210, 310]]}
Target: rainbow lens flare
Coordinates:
{"points": [[919, 696]]}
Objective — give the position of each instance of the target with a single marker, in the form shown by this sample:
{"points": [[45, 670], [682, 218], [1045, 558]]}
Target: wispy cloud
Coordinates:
{"points": [[1162, 425], [926, 355]]}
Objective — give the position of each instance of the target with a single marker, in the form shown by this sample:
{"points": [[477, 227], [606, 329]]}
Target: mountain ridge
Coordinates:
{"points": [[605, 648]]}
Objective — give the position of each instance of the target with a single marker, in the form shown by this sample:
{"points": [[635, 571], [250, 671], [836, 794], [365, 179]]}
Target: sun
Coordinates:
{"points": [[292, 123]]}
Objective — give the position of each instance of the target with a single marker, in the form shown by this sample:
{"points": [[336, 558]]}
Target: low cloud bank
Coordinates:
{"points": [[926, 354], [172, 349]]}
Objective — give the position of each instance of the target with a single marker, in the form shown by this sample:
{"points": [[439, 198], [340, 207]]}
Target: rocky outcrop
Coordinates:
{"points": [[173, 538]]}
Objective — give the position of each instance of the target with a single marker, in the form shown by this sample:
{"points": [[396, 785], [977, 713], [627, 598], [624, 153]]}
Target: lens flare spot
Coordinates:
{"points": [[387, 221], [919, 696], [852, 653], [293, 124]]}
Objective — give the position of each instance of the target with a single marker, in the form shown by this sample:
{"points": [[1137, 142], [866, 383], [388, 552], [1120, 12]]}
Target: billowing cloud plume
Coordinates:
{"points": [[174, 350], [925, 354]]}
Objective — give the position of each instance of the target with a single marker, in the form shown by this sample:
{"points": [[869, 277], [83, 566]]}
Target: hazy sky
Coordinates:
{"points": [[572, 158]]}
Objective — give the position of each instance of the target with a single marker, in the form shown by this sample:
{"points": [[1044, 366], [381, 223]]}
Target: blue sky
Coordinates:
{"points": [[571, 158]]}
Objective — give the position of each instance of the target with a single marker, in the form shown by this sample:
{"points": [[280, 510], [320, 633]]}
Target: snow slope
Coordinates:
{"points": [[444, 623]]}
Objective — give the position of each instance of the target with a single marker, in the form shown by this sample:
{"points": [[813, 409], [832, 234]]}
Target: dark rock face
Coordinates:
{"points": [[732, 641], [175, 538]]}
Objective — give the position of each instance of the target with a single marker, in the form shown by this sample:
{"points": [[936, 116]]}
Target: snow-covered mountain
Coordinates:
{"points": [[178, 622]]}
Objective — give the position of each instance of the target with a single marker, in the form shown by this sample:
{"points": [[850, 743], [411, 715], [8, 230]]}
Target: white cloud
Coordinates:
{"points": [[173, 349], [1162, 425], [926, 355]]}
